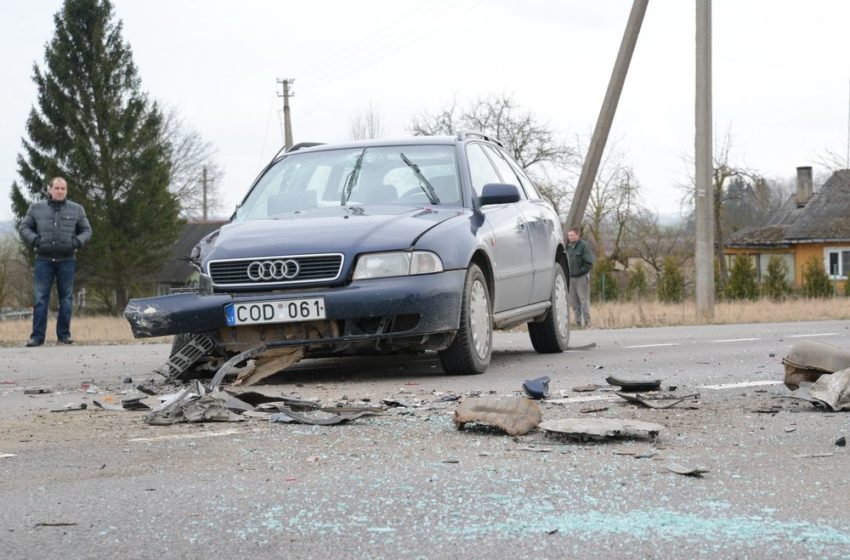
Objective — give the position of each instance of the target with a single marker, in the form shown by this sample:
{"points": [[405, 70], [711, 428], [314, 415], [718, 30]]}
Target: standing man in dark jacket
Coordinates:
{"points": [[580, 259], [56, 228]]}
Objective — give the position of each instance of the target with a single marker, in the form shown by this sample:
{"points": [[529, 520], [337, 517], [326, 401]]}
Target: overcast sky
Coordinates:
{"points": [[781, 73]]}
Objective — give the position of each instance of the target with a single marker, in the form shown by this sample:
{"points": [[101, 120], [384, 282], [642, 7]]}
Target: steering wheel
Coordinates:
{"points": [[414, 195]]}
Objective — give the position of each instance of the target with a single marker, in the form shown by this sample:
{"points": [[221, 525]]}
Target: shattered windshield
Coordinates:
{"points": [[416, 175]]}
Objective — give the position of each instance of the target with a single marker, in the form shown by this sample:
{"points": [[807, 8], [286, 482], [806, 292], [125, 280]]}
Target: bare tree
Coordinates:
{"points": [[533, 143], [653, 241], [366, 124], [189, 155]]}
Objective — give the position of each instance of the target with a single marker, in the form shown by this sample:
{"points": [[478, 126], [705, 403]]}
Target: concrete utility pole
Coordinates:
{"points": [[704, 195], [204, 183], [287, 123], [606, 114]]}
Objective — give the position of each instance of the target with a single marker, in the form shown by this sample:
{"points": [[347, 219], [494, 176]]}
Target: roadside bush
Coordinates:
{"points": [[603, 283], [742, 279], [671, 285], [637, 287], [776, 284], [847, 287], [816, 283]]}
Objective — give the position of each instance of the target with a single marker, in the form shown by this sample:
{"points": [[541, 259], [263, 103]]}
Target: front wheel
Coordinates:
{"points": [[473, 345], [552, 334]]}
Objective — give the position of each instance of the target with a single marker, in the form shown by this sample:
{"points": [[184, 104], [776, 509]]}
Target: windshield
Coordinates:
{"points": [[381, 175]]}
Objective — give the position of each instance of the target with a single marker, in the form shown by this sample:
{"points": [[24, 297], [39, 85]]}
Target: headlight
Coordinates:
{"points": [[399, 263]]}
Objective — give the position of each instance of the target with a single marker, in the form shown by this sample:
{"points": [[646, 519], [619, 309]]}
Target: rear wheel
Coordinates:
{"points": [[552, 334], [473, 345]]}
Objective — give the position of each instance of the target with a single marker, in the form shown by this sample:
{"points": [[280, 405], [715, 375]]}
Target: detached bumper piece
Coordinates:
{"points": [[180, 362]]}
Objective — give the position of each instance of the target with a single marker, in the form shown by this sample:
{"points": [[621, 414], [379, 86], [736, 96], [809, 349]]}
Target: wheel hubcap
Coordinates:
{"points": [[479, 319], [560, 306]]}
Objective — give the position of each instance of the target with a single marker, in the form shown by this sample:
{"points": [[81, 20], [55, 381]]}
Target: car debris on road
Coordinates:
{"points": [[515, 415], [601, 428]]}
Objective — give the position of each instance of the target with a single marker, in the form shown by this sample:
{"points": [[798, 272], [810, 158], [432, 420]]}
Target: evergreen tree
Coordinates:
{"points": [[603, 284], [742, 279], [776, 284], [94, 126], [816, 283], [671, 286], [637, 287]]}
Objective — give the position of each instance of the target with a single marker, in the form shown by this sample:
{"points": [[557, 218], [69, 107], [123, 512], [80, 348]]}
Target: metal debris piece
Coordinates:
{"points": [[590, 346], [833, 390], [515, 415], [7, 455], [813, 455], [587, 388], [396, 403], [683, 470], [808, 360], [593, 408], [535, 449], [229, 367], [658, 400], [318, 417], [601, 428], [790, 429], [633, 385], [71, 408], [254, 398], [107, 405], [449, 398], [134, 403], [55, 524], [841, 442], [537, 388], [269, 363], [193, 404], [37, 391]]}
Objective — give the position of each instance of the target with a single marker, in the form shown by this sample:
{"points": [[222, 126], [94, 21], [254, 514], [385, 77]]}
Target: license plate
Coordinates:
{"points": [[282, 311]]}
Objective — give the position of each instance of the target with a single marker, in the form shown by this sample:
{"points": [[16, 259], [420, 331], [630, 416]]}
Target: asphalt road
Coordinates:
{"points": [[98, 484]]}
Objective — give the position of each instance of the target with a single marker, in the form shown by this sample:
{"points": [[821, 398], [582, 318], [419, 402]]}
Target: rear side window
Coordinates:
{"points": [[480, 168], [505, 170], [527, 184]]}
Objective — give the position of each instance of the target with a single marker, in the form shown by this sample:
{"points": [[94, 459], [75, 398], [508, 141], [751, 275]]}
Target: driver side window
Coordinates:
{"points": [[481, 170]]}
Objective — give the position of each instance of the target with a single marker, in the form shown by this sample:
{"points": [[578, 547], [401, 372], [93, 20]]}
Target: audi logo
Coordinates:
{"points": [[273, 270]]}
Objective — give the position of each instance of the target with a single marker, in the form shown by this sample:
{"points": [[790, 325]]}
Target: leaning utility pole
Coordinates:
{"points": [[287, 123], [704, 195], [606, 114], [204, 183]]}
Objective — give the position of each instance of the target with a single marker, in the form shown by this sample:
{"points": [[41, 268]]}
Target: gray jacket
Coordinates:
{"points": [[55, 229]]}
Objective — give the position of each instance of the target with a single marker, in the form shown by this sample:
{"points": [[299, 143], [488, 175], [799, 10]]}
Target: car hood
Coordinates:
{"points": [[339, 229]]}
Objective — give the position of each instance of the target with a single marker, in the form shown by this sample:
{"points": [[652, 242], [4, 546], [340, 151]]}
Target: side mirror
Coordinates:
{"points": [[498, 193]]}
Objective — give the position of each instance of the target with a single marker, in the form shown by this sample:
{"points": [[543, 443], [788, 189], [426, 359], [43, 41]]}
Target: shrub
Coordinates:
{"points": [[816, 283], [637, 287], [671, 285], [776, 284], [603, 284], [742, 279]]}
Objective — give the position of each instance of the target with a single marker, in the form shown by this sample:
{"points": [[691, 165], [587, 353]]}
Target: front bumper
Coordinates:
{"points": [[436, 298]]}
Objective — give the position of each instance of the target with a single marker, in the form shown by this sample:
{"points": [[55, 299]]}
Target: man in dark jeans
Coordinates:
{"points": [[580, 259], [56, 228]]}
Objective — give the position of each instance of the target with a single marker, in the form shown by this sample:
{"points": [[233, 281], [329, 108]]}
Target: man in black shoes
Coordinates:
{"points": [[56, 228]]}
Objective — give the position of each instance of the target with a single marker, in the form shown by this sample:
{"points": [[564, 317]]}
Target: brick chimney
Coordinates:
{"points": [[804, 185]]}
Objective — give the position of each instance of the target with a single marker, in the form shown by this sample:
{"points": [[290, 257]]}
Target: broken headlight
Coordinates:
{"points": [[397, 263]]}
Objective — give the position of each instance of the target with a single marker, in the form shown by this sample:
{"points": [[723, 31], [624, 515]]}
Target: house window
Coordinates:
{"points": [[838, 263]]}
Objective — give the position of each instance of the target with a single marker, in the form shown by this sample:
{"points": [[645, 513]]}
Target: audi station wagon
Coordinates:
{"points": [[380, 246]]}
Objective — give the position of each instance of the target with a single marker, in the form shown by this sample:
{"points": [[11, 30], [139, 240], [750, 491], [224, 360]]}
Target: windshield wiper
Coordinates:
{"points": [[423, 182], [352, 179]]}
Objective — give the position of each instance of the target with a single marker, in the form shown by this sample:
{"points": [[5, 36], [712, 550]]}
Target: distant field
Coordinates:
{"points": [[115, 330]]}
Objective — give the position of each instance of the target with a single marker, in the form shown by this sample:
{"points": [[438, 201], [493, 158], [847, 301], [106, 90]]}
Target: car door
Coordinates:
{"points": [[512, 269], [540, 221]]}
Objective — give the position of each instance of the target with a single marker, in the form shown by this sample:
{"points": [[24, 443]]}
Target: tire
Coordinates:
{"points": [[472, 347], [552, 334]]}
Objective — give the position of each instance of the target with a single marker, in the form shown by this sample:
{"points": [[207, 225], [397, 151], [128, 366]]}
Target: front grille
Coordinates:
{"points": [[311, 268]]}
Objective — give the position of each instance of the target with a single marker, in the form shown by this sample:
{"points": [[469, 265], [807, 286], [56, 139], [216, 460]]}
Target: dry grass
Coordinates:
{"points": [[654, 314], [115, 330]]}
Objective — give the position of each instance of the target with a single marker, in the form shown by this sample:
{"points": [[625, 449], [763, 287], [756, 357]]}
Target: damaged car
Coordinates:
{"points": [[379, 246]]}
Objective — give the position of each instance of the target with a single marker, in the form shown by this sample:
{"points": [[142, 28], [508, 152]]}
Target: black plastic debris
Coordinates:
{"points": [[37, 391], [634, 386], [71, 408], [841, 442], [537, 388], [134, 403], [658, 400], [127, 380]]}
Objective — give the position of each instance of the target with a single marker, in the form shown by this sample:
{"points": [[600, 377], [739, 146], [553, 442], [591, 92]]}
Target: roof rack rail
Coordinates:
{"points": [[463, 134], [300, 145]]}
